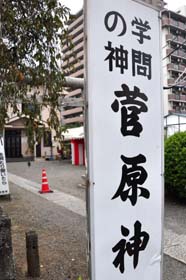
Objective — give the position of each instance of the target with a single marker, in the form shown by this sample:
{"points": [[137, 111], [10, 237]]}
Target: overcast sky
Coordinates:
{"points": [[173, 4], [76, 5]]}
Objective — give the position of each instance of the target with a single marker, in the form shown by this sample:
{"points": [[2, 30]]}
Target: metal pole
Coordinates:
{"points": [[74, 82], [89, 241]]}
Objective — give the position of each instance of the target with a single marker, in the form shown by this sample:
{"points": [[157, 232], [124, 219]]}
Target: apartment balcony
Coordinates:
{"points": [[73, 59], [166, 21], [75, 93], [68, 113], [75, 41], [182, 25], [177, 98], [76, 31], [177, 110], [78, 74], [175, 67], [174, 23], [79, 64], [173, 97], [169, 51], [171, 82], [77, 48], [79, 119], [75, 23], [176, 53], [175, 39], [181, 68]]}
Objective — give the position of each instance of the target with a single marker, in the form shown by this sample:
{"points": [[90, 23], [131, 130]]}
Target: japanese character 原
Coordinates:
{"points": [[132, 179]]}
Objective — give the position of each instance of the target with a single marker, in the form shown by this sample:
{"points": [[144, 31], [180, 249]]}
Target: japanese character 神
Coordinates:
{"points": [[133, 177], [132, 247], [141, 27], [131, 107], [111, 21], [141, 64], [119, 55]]}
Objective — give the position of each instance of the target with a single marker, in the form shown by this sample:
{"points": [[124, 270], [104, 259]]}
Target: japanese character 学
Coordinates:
{"points": [[141, 28], [119, 55], [132, 178], [132, 247], [113, 17], [131, 107]]}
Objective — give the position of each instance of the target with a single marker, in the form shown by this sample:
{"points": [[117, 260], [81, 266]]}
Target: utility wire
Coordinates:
{"points": [[177, 80], [180, 76], [175, 37], [175, 49]]}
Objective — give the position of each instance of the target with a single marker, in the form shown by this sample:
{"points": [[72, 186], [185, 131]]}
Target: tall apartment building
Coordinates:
{"points": [[174, 60], [174, 33], [74, 57]]}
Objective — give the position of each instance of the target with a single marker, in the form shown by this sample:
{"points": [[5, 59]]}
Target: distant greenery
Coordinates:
{"points": [[73, 125], [175, 164]]}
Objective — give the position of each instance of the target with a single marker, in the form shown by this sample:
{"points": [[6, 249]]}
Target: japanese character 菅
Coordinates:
{"points": [[132, 104]]}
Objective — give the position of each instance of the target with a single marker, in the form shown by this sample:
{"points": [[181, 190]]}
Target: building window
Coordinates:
{"points": [[47, 140], [30, 108]]}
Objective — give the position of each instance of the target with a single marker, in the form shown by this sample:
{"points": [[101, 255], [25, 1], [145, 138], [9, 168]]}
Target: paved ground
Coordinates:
{"points": [[175, 229], [62, 232], [175, 240], [62, 236], [173, 269], [63, 176]]}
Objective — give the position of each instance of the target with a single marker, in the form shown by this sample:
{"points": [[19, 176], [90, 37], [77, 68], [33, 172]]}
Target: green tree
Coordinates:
{"points": [[175, 164], [32, 33]]}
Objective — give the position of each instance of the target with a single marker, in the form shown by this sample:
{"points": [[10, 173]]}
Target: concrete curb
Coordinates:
{"points": [[70, 202]]}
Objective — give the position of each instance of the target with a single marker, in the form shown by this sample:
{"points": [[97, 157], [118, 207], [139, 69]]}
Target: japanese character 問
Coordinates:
{"points": [[141, 64]]}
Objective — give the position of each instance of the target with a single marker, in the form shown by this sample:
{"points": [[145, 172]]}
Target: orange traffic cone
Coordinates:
{"points": [[45, 187]]}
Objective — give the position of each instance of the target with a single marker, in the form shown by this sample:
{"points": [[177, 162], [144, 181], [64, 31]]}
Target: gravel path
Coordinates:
{"points": [[61, 175], [62, 236]]}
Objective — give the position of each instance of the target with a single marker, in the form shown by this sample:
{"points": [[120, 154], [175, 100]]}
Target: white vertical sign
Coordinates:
{"points": [[4, 187], [124, 140]]}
